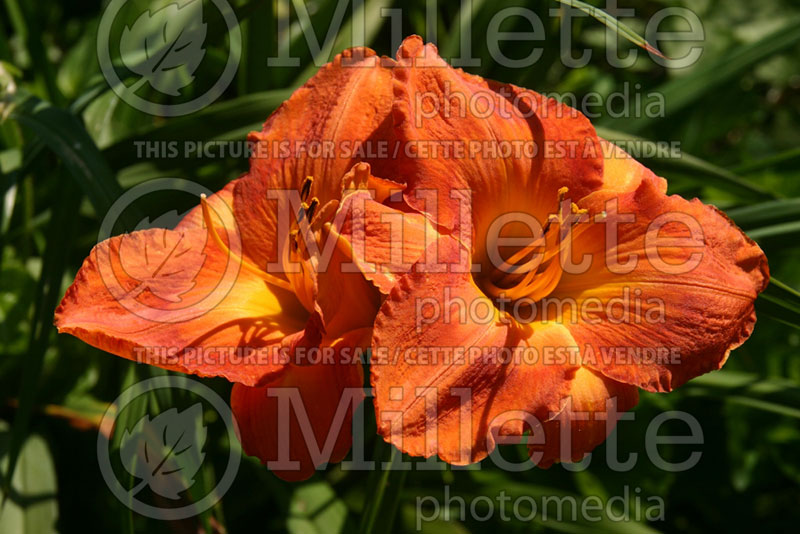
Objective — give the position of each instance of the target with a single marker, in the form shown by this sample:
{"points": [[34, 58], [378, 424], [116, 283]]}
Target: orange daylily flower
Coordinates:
{"points": [[200, 298], [517, 286], [421, 230]]}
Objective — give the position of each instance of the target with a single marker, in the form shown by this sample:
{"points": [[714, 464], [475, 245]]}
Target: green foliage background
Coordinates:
{"points": [[67, 152]]}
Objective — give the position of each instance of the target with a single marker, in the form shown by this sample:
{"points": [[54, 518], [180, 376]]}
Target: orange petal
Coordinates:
{"points": [[346, 104], [346, 300], [174, 299], [591, 411], [516, 145], [622, 173], [386, 236], [695, 297], [313, 426], [443, 383]]}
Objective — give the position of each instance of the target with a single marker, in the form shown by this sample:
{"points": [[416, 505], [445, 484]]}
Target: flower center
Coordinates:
{"points": [[533, 270], [309, 231], [301, 257]]}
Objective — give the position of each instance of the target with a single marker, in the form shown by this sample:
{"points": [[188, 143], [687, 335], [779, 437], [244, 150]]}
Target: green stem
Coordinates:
{"points": [[385, 490]]}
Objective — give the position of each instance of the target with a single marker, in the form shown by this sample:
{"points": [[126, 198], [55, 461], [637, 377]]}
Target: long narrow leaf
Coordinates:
{"points": [[708, 76], [780, 302], [783, 234], [212, 122], [766, 213], [63, 133], [49, 292], [773, 395], [615, 25]]}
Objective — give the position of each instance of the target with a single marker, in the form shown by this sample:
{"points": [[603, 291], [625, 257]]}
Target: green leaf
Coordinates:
{"points": [[491, 483], [25, 23], [212, 122], [384, 491], [31, 506], [780, 302], [316, 509], [368, 12], [708, 76], [616, 26], [766, 213], [63, 133], [126, 419], [452, 42], [774, 395], [787, 159], [48, 294], [777, 234]]}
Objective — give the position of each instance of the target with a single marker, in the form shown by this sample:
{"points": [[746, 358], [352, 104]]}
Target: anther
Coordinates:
{"points": [[312, 208], [579, 211], [305, 190]]}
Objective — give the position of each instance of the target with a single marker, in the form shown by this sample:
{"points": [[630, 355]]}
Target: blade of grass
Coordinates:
{"points": [[493, 482], [784, 234], [63, 133], [778, 160], [54, 264], [126, 419], [213, 121], [253, 75], [780, 302], [766, 213], [774, 395], [459, 35], [384, 490], [707, 76], [23, 19], [615, 25]]}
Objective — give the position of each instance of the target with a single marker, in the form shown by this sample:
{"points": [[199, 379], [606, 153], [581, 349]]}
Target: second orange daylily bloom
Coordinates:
{"points": [[496, 332]]}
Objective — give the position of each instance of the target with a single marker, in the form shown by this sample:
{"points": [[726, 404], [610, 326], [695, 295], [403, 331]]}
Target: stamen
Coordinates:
{"points": [[301, 213], [542, 285], [512, 265], [552, 218], [305, 190], [268, 278], [312, 207], [535, 275]]}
